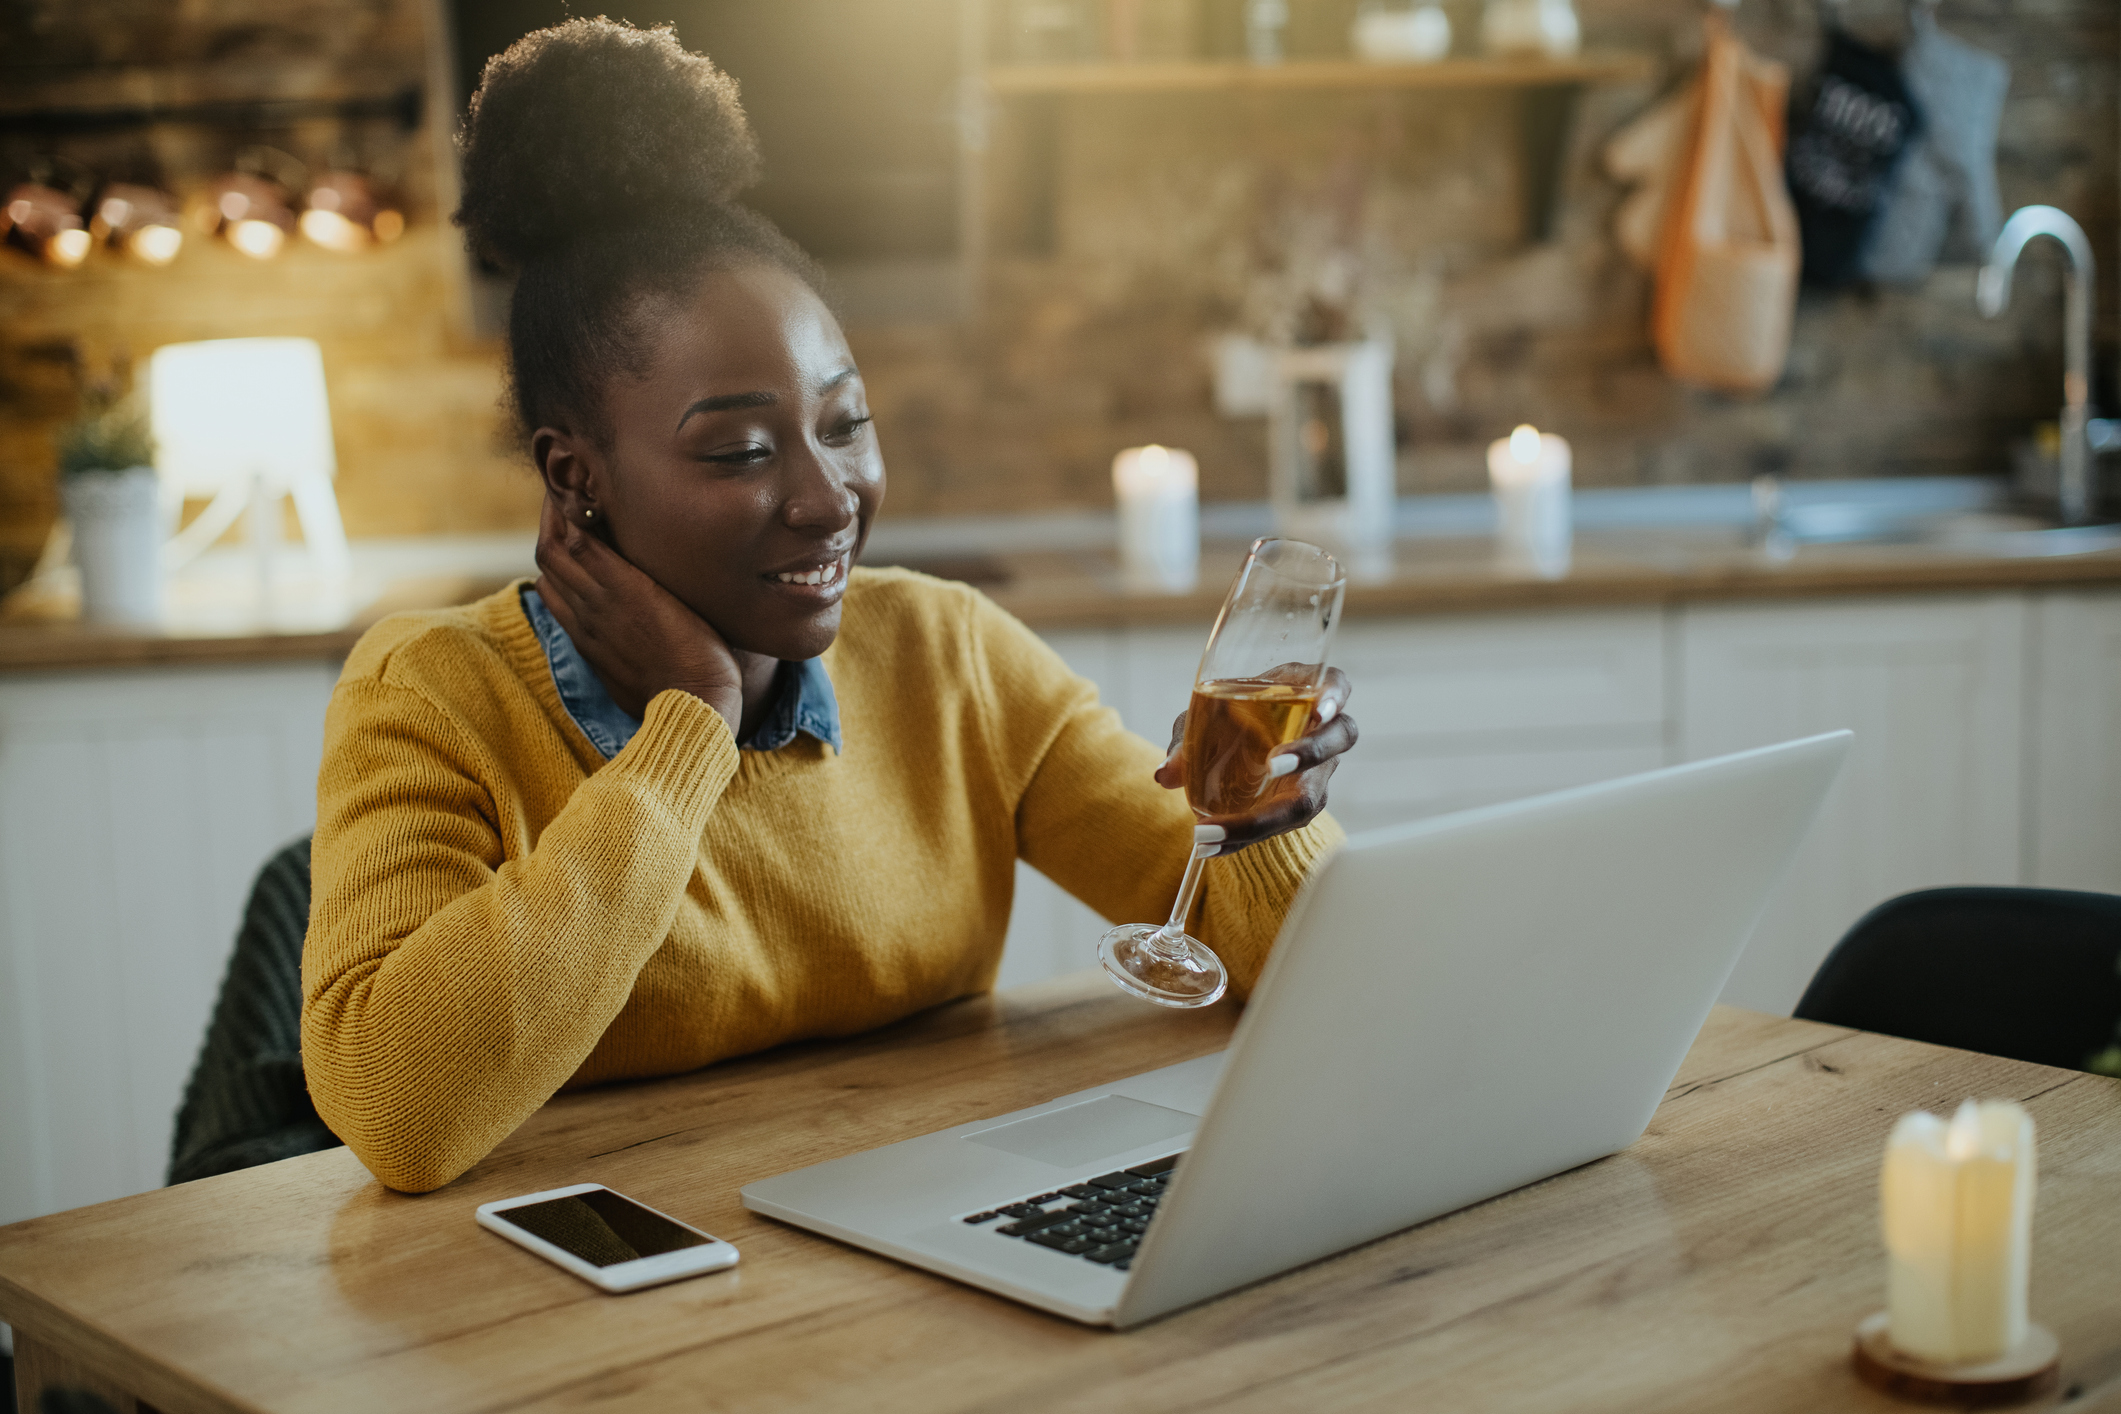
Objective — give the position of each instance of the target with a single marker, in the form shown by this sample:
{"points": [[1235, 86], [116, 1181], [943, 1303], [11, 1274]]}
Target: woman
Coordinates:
{"points": [[704, 787]]}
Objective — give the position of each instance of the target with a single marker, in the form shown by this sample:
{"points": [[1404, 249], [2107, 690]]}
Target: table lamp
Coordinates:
{"points": [[245, 422]]}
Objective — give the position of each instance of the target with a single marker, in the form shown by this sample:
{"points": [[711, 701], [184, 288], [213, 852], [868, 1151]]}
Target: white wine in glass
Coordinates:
{"points": [[1257, 690]]}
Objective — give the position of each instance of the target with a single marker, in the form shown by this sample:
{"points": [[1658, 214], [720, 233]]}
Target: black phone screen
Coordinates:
{"points": [[601, 1228]]}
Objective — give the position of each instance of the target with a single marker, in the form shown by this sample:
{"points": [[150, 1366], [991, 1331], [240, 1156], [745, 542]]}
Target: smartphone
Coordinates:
{"points": [[606, 1238]]}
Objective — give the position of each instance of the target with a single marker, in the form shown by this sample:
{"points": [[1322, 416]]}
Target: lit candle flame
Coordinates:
{"points": [[1524, 444]]}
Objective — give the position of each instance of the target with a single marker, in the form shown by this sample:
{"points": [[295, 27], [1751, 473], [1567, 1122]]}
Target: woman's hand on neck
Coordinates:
{"points": [[639, 637]]}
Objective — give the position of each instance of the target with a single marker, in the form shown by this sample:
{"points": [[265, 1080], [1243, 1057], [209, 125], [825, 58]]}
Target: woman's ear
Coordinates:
{"points": [[571, 471]]}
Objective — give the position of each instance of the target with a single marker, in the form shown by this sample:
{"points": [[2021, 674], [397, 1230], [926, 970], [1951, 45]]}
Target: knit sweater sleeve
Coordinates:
{"points": [[1092, 818], [448, 991]]}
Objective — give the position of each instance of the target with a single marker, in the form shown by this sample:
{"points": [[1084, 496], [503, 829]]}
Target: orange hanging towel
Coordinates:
{"points": [[1728, 256]]}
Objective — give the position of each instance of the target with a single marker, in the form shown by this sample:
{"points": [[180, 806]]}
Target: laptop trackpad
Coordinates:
{"points": [[1109, 1124]]}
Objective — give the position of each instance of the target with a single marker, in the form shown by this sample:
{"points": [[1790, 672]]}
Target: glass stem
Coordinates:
{"points": [[1167, 937]]}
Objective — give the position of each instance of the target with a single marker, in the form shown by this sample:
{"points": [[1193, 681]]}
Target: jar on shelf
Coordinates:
{"points": [[1530, 29], [1266, 30], [1401, 33], [1051, 31]]}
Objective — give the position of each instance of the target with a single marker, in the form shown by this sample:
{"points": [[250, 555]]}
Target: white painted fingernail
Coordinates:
{"points": [[1209, 834], [1211, 851], [1327, 711], [1280, 766]]}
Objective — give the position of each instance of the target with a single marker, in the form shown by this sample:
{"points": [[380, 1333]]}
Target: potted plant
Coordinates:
{"points": [[108, 486]]}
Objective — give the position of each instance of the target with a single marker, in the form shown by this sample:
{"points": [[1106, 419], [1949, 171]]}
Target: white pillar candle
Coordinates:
{"points": [[1159, 518], [1529, 471], [1957, 1201]]}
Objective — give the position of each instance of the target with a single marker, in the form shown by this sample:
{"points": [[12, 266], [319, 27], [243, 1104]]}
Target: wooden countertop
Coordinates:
{"points": [[1723, 1260], [48, 646], [1058, 590], [1080, 589]]}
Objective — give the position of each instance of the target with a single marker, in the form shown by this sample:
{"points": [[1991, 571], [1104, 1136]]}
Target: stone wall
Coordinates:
{"points": [[1168, 218], [1171, 213]]}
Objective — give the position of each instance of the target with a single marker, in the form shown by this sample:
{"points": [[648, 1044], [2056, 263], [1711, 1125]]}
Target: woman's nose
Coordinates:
{"points": [[820, 498]]}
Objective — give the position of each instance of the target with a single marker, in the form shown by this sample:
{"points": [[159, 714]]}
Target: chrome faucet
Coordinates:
{"points": [[1992, 292]]}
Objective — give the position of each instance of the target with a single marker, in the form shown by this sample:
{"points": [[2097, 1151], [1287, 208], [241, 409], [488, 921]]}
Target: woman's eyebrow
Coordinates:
{"points": [[838, 378], [726, 401]]}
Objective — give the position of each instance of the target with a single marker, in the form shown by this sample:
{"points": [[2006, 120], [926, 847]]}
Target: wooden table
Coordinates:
{"points": [[1720, 1263]]}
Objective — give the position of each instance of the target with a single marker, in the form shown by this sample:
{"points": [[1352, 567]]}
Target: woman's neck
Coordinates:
{"points": [[759, 672]]}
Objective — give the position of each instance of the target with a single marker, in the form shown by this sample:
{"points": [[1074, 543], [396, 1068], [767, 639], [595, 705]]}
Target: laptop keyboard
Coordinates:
{"points": [[1101, 1219]]}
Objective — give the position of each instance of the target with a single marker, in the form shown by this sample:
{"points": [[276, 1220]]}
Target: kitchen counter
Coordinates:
{"points": [[1078, 588], [1436, 576], [33, 646]]}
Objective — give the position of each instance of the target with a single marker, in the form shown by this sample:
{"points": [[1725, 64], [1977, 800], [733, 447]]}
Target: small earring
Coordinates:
{"points": [[590, 514]]}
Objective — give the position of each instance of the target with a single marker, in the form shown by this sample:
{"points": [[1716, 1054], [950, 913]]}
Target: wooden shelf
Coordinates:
{"points": [[1201, 77]]}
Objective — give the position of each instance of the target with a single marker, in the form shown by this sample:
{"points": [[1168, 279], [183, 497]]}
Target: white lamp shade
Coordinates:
{"points": [[241, 412]]}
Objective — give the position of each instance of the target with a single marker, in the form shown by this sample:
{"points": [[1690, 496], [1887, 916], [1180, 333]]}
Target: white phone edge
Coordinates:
{"points": [[715, 1256]]}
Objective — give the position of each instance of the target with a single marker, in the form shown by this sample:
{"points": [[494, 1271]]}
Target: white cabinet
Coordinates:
{"points": [[1489, 676], [1988, 738], [135, 809], [1932, 686], [1153, 672], [1471, 709], [2073, 834], [1387, 789]]}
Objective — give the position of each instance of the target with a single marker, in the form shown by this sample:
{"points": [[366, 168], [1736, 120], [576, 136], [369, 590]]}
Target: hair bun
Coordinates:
{"points": [[591, 125]]}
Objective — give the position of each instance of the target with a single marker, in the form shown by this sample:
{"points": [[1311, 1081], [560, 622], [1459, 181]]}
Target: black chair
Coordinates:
{"points": [[246, 1102], [2033, 974]]}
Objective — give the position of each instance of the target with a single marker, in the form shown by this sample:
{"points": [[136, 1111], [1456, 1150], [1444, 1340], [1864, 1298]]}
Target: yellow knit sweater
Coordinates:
{"points": [[499, 913]]}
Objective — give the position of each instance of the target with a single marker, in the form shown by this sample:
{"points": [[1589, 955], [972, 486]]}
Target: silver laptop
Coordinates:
{"points": [[1455, 1007]]}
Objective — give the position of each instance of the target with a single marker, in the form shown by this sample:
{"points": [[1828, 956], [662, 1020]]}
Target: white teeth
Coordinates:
{"points": [[826, 575]]}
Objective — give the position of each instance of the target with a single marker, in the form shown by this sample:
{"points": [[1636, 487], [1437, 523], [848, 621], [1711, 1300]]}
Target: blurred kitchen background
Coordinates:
{"points": [[1057, 230], [1031, 278]]}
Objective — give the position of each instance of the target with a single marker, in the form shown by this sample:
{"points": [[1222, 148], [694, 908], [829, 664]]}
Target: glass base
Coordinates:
{"points": [[1137, 967]]}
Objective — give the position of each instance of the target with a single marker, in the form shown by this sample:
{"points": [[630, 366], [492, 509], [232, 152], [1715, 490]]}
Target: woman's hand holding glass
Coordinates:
{"points": [[1307, 763], [1253, 750], [638, 636]]}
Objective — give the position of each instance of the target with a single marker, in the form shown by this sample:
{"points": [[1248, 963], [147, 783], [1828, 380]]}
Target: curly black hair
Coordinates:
{"points": [[601, 166]]}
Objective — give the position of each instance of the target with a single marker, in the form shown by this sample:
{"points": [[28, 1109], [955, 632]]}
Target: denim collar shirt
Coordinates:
{"points": [[803, 699]]}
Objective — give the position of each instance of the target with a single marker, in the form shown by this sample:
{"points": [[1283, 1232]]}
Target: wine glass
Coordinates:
{"points": [[1257, 690]]}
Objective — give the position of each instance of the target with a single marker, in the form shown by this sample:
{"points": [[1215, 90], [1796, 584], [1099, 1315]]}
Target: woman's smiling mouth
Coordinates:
{"points": [[826, 576]]}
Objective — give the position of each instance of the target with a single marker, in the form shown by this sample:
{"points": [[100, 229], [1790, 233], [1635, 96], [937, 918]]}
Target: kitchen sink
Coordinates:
{"points": [[2018, 536], [2007, 534]]}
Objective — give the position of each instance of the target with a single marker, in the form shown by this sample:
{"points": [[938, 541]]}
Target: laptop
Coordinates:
{"points": [[1455, 1007]]}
